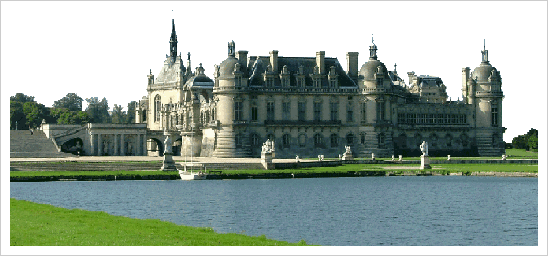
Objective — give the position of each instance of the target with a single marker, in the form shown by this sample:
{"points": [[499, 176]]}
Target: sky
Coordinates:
{"points": [[106, 49]]}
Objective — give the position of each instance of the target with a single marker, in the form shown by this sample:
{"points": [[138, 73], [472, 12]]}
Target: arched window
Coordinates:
{"points": [[350, 139], [157, 108], [362, 138], [318, 140], [334, 140], [302, 140], [286, 140]]}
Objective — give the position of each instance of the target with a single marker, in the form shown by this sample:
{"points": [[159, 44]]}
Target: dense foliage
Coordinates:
{"points": [[26, 113], [527, 141]]}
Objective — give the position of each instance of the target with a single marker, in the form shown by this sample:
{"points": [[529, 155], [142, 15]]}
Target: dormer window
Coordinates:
{"points": [[333, 82]]}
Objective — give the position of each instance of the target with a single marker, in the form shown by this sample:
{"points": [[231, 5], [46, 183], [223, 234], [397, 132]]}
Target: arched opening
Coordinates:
{"points": [[350, 139], [155, 147], [73, 146], [177, 146], [318, 140]]}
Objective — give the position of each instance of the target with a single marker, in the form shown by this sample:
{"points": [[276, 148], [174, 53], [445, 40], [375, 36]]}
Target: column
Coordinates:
{"points": [[92, 144], [138, 145], [123, 144], [144, 145], [116, 145], [99, 145]]}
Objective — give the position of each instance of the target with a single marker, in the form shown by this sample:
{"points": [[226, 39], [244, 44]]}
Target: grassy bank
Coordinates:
{"points": [[45, 225], [303, 172]]}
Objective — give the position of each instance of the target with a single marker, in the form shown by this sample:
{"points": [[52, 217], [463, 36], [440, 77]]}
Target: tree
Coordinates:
{"points": [[533, 142], [526, 141], [17, 116], [119, 116], [34, 113], [98, 110], [73, 117], [71, 102], [131, 112], [22, 98]]}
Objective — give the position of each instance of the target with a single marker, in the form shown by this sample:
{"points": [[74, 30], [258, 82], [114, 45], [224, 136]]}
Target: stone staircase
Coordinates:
{"points": [[25, 145]]}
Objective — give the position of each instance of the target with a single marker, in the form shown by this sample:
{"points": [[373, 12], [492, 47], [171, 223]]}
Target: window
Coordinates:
{"points": [[254, 114], [494, 115], [286, 110], [317, 111], [363, 112], [286, 140], [349, 114], [270, 111], [350, 139], [318, 140], [381, 140], [157, 108], [316, 82], [334, 140], [254, 139], [238, 110], [380, 111], [362, 138], [238, 140], [334, 106], [302, 111], [401, 118], [379, 82], [302, 140], [448, 139], [333, 82]]}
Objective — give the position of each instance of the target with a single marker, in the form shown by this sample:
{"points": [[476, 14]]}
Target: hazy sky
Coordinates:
{"points": [[106, 49]]}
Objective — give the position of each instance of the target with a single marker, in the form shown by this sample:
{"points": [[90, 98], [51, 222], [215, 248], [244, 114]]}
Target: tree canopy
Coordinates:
{"points": [[98, 110], [71, 102], [20, 97], [527, 141]]}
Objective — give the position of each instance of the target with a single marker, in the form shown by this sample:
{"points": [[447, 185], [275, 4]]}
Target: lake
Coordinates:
{"points": [[406, 210]]}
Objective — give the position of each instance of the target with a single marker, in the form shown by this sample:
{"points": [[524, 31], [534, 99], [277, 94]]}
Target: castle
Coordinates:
{"points": [[310, 106]]}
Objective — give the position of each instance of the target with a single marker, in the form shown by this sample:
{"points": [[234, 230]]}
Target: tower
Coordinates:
{"points": [[485, 93], [173, 43]]}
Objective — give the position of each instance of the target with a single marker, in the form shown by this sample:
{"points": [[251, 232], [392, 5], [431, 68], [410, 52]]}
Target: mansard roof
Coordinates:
{"points": [[258, 67]]}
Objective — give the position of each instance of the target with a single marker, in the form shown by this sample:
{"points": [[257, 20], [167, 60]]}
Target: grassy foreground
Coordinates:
{"points": [[442, 168], [45, 225]]}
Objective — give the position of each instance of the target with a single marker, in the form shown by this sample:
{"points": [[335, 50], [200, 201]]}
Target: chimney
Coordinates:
{"points": [[242, 59], [320, 61], [274, 60], [352, 64], [411, 75]]}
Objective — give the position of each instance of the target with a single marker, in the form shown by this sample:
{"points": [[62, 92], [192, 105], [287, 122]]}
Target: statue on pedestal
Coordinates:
{"points": [[424, 148]]}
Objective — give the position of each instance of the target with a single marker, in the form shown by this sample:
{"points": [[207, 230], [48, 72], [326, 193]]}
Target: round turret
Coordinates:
{"points": [[370, 68], [483, 72], [226, 69]]}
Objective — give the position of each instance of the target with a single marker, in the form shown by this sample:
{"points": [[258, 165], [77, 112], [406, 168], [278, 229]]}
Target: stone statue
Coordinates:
{"points": [[268, 146], [167, 143], [347, 150], [424, 148]]}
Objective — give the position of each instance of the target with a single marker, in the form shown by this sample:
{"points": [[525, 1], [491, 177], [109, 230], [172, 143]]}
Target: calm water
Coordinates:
{"points": [[328, 211]]}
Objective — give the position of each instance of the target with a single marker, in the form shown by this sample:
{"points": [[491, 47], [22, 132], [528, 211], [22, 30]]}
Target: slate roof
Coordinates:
{"points": [[258, 67]]}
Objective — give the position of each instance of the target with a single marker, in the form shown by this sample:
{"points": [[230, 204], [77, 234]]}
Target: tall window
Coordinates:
{"points": [[349, 114], [238, 110], [254, 114], [286, 110], [254, 139], [316, 82], [362, 138], [157, 108], [380, 111], [363, 112], [334, 140], [286, 140], [494, 115], [350, 139], [333, 82], [238, 140], [302, 140], [318, 140], [317, 111], [381, 140], [270, 111], [334, 106], [302, 111]]}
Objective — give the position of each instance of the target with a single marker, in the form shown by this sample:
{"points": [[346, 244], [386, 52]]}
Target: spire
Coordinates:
{"points": [[484, 54], [372, 49], [395, 65], [173, 42], [231, 49]]}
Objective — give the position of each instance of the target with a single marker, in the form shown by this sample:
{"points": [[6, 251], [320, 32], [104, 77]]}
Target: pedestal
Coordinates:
{"points": [[425, 162], [169, 164], [347, 156], [266, 161]]}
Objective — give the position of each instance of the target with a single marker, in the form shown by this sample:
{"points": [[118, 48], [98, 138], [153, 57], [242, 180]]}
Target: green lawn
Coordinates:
{"points": [[45, 225], [89, 173], [521, 153]]}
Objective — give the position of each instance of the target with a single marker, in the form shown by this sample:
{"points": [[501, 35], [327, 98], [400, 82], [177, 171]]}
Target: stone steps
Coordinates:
{"points": [[25, 145]]}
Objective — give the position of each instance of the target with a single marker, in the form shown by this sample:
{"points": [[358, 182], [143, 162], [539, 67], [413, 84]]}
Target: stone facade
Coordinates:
{"points": [[310, 106]]}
